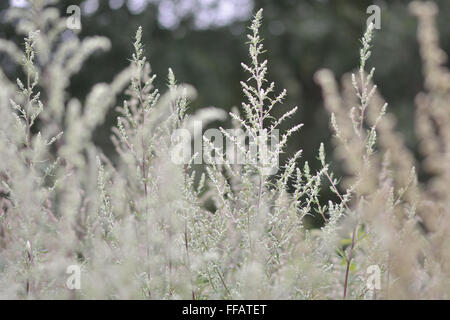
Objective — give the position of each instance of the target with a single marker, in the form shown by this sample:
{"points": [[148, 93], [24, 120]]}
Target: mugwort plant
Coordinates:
{"points": [[187, 213]]}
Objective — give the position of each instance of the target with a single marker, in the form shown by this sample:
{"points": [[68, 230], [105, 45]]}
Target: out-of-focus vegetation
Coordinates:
{"points": [[301, 37]]}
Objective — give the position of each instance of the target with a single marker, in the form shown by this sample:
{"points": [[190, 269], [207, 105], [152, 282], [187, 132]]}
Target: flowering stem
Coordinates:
{"points": [[352, 246]]}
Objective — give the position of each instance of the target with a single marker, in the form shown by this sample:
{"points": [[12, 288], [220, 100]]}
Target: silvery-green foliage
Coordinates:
{"points": [[46, 175], [143, 226], [136, 232], [257, 225]]}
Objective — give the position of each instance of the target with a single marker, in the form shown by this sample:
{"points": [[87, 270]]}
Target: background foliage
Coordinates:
{"points": [[300, 36]]}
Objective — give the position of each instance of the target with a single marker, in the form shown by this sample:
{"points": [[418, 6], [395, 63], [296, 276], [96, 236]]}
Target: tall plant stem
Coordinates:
{"points": [[186, 239], [349, 261], [352, 246]]}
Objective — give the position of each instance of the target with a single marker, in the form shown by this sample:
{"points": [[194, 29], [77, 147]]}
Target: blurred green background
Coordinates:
{"points": [[204, 42]]}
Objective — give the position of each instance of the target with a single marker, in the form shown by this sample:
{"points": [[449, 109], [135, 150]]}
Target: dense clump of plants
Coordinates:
{"points": [[142, 225]]}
